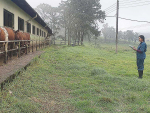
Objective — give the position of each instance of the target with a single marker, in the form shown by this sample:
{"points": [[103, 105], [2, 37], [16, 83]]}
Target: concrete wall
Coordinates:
{"points": [[18, 12]]}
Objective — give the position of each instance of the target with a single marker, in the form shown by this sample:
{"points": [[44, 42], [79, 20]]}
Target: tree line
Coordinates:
{"points": [[78, 19], [109, 34]]}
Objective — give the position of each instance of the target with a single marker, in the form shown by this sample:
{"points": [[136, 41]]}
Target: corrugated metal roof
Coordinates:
{"points": [[30, 11]]}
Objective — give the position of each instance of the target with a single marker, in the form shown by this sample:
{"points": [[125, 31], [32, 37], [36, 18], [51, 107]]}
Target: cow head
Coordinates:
{"points": [[17, 35]]}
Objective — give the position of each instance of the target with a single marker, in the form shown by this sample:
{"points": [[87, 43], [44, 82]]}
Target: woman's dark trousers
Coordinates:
{"points": [[140, 65]]}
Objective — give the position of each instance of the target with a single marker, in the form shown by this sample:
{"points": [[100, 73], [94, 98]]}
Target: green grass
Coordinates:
{"points": [[80, 79]]}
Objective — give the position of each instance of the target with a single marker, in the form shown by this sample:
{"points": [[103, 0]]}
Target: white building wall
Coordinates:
{"points": [[18, 12]]}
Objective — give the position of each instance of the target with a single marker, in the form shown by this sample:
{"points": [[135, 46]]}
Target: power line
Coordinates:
{"points": [[134, 6], [110, 9], [126, 4], [129, 4], [110, 16], [136, 2], [131, 1], [110, 6], [110, 12], [131, 19], [133, 27]]}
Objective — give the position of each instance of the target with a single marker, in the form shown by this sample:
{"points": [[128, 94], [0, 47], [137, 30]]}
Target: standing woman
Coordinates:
{"points": [[140, 52]]}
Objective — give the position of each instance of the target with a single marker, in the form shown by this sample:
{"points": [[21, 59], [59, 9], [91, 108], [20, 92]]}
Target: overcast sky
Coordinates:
{"points": [[136, 13]]}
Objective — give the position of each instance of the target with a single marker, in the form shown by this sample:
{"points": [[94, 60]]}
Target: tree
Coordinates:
{"points": [[128, 36], [77, 17], [136, 36], [108, 32], [82, 17], [51, 16]]}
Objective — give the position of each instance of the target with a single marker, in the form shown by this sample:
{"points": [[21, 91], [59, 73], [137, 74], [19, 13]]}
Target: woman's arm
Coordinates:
{"points": [[137, 50], [142, 48]]}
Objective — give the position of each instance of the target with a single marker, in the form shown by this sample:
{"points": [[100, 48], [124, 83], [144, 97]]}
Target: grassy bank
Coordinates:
{"points": [[80, 79]]}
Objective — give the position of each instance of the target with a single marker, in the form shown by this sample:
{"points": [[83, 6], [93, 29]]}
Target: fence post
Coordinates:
{"points": [[5, 57], [36, 45], [39, 43], [42, 44], [19, 50], [29, 45], [26, 49], [32, 45]]}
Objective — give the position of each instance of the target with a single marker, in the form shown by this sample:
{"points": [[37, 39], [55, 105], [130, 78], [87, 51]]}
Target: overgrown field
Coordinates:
{"points": [[81, 79]]}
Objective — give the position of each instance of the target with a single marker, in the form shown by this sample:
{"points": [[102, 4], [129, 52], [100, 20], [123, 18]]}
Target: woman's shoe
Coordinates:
{"points": [[140, 74]]}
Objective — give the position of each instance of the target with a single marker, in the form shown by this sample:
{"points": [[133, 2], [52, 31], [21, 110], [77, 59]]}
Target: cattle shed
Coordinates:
{"points": [[19, 15]]}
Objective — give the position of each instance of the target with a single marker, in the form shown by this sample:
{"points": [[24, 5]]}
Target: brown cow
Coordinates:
{"points": [[2, 35], [23, 36], [27, 38], [19, 36], [11, 36], [2, 38]]}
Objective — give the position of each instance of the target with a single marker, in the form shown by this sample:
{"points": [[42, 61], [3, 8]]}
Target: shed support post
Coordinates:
{"points": [[36, 45], [39, 43], [26, 49], [5, 57], [32, 45], [19, 50], [29, 45]]}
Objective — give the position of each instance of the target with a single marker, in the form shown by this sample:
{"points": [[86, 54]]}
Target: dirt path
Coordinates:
{"points": [[16, 64]]}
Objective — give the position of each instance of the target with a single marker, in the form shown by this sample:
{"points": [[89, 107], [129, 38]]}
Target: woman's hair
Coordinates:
{"points": [[142, 37]]}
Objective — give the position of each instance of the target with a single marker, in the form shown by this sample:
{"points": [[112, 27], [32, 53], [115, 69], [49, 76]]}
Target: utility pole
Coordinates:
{"points": [[117, 15]]}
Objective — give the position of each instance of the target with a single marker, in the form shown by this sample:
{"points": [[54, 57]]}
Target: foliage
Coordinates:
{"points": [[50, 15], [109, 34], [78, 18]]}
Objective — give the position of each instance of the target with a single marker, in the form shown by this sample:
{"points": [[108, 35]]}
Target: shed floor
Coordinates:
{"points": [[16, 64]]}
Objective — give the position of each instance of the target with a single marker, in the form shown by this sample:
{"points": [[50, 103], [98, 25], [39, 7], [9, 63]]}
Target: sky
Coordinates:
{"points": [[135, 13]]}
